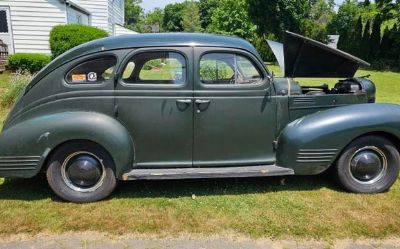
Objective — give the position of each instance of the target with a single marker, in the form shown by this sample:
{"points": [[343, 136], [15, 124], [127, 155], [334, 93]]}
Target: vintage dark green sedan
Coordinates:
{"points": [[172, 106]]}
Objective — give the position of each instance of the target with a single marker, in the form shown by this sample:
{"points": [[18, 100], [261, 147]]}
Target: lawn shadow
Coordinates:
{"points": [[37, 188], [223, 186], [25, 189]]}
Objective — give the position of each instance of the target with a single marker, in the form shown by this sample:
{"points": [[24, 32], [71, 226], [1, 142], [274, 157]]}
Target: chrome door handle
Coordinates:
{"points": [[183, 104], [201, 104], [202, 101], [184, 101]]}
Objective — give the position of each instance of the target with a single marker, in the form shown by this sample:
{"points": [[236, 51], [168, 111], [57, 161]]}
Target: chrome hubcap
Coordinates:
{"points": [[83, 171], [368, 165]]}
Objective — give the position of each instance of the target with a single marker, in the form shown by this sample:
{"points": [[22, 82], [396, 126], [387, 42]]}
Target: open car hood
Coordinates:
{"points": [[300, 56]]}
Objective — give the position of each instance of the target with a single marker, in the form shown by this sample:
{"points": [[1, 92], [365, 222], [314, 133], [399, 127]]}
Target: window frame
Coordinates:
{"points": [[84, 59], [153, 85], [264, 81]]}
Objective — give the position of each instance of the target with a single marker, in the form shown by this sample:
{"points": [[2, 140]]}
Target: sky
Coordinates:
{"points": [[148, 5]]}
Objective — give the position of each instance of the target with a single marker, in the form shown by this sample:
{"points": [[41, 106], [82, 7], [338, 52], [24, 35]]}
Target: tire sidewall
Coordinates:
{"points": [[58, 185], [343, 165]]}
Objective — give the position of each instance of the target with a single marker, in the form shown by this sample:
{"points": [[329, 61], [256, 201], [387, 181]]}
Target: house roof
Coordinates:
{"points": [[121, 30], [147, 40]]}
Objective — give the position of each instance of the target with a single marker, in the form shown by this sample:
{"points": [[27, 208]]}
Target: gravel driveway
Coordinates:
{"points": [[103, 241]]}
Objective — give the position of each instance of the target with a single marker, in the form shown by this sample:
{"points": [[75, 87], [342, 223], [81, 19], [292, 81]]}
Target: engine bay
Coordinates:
{"points": [[346, 86], [359, 85]]}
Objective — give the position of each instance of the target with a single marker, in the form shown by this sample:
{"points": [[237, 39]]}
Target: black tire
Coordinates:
{"points": [[60, 178], [361, 167]]}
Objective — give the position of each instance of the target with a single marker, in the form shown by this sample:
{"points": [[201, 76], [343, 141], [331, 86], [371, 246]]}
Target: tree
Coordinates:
{"points": [[207, 7], [155, 17], [191, 17], [343, 24], [275, 16], [386, 43], [365, 43], [231, 18], [321, 13], [133, 12], [356, 37], [172, 20], [314, 30], [375, 41]]}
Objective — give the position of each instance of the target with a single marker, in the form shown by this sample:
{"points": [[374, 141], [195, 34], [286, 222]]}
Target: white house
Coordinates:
{"points": [[25, 24]]}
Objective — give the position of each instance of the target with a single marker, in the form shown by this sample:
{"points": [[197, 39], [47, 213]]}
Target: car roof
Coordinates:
{"points": [[147, 40], [173, 39]]}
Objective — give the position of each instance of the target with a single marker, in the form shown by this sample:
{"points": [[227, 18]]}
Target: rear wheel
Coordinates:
{"points": [[369, 164], [81, 171]]}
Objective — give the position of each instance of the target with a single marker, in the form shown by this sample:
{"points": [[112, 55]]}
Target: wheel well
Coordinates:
{"points": [[392, 138], [52, 151]]}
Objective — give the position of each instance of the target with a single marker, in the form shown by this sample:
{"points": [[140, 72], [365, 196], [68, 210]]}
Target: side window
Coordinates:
{"points": [[157, 67], [93, 71], [226, 68]]}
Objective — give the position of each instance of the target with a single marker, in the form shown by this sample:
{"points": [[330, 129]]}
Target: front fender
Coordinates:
{"points": [[25, 146], [312, 143]]}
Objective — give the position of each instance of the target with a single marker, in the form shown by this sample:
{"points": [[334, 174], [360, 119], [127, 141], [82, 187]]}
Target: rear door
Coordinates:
{"points": [[234, 116], [154, 97]]}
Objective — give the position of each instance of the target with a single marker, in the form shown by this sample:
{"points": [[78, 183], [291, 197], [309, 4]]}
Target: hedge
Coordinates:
{"points": [[65, 37], [28, 62]]}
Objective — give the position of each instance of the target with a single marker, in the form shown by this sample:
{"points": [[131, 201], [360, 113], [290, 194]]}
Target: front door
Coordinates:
{"points": [[5, 28], [234, 114], [154, 98]]}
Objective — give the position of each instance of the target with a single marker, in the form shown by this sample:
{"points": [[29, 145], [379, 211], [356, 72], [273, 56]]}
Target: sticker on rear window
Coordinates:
{"points": [[78, 77], [92, 76]]}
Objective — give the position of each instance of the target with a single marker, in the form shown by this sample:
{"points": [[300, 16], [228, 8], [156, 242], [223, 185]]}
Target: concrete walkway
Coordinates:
{"points": [[93, 240]]}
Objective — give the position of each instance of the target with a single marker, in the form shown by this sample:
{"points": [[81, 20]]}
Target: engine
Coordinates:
{"points": [[346, 86]]}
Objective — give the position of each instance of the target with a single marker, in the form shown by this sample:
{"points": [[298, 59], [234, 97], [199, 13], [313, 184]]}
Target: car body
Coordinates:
{"points": [[171, 106]]}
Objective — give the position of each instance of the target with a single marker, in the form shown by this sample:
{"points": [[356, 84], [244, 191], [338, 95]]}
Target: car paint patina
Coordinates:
{"points": [[180, 128]]}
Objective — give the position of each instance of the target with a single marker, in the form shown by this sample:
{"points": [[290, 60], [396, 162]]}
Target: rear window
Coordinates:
{"points": [[93, 71]]}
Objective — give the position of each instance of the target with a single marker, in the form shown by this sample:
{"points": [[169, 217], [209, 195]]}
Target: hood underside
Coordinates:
{"points": [[300, 56]]}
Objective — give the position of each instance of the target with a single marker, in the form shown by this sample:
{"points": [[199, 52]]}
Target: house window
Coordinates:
{"points": [[78, 19], [3, 22]]}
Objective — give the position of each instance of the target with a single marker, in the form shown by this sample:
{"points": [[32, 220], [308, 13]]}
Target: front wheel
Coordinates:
{"points": [[369, 164], [81, 171]]}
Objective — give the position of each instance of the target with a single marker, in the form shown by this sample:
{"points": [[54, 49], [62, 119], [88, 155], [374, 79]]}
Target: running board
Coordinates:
{"points": [[212, 172]]}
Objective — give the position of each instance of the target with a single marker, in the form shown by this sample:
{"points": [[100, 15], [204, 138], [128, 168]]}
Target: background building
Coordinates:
{"points": [[25, 24]]}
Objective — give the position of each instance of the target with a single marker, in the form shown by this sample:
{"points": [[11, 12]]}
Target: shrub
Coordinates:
{"points": [[17, 84], [65, 37], [28, 62], [260, 43]]}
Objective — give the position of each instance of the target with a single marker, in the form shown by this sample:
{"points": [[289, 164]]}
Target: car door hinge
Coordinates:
{"points": [[116, 77], [275, 145], [116, 111]]}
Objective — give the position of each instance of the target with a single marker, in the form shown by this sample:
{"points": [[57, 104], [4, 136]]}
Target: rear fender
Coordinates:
{"points": [[309, 145], [25, 146]]}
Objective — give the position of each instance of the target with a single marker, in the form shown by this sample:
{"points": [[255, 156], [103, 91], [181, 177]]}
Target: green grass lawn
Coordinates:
{"points": [[4, 84], [387, 83], [298, 207]]}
